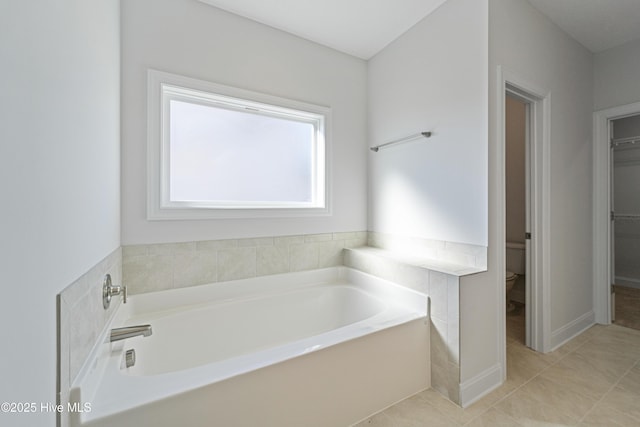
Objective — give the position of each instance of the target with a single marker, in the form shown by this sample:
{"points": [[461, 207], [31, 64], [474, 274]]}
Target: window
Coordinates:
{"points": [[220, 152]]}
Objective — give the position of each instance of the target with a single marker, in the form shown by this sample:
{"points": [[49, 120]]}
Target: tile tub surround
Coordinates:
{"points": [[458, 254], [442, 265], [155, 267], [81, 320], [438, 279]]}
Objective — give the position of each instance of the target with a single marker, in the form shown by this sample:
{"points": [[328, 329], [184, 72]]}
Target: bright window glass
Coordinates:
{"points": [[231, 157], [216, 151]]}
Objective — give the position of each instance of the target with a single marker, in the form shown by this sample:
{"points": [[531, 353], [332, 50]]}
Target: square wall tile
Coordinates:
{"points": [[438, 293], [81, 319], [304, 256], [147, 273], [236, 263], [272, 259], [330, 253], [194, 268], [413, 277]]}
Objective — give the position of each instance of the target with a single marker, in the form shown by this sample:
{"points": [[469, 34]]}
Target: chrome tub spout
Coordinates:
{"points": [[118, 334]]}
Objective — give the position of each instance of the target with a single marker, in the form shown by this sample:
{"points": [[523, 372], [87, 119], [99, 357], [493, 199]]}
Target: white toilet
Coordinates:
{"points": [[515, 267], [511, 278]]}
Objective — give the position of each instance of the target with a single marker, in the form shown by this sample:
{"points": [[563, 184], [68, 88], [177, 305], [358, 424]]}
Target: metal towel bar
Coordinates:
{"points": [[405, 139]]}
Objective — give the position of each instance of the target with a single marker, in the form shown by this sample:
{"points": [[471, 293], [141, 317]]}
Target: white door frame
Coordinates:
{"points": [[538, 297], [602, 207]]}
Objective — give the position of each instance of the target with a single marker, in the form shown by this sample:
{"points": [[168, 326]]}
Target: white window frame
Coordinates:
{"points": [[163, 87]]}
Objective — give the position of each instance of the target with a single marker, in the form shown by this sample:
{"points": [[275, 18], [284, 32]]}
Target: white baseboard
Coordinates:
{"points": [[628, 282], [572, 329], [479, 386]]}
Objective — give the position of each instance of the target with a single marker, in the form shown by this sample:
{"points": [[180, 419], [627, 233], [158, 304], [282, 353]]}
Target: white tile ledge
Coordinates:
{"points": [[422, 262]]}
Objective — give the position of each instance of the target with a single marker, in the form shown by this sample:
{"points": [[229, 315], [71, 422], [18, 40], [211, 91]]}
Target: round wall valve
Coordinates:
{"points": [[108, 290]]}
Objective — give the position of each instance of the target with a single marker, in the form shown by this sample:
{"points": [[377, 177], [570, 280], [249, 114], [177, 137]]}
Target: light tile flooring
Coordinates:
{"points": [[593, 380]]}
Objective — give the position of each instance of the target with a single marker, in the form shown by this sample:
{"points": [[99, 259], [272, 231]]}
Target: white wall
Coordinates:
{"points": [[59, 176], [433, 78], [190, 38], [532, 47], [615, 76]]}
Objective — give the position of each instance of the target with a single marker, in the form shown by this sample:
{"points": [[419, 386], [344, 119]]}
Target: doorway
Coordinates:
{"points": [[625, 221], [604, 210], [537, 164], [517, 214]]}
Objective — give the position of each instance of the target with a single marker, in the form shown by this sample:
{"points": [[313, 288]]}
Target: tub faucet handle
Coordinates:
{"points": [[109, 290]]}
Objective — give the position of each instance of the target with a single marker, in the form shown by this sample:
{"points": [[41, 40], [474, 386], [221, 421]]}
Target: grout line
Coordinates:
{"points": [[609, 391], [515, 420], [551, 363], [541, 372]]}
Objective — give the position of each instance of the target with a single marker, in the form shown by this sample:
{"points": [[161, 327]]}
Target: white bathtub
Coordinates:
{"points": [[325, 347]]}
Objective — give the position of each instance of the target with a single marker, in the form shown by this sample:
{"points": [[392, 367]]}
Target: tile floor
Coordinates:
{"points": [[593, 380], [627, 307]]}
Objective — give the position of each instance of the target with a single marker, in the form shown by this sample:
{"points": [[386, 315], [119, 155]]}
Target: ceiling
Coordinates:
{"points": [[364, 27], [360, 28], [597, 24]]}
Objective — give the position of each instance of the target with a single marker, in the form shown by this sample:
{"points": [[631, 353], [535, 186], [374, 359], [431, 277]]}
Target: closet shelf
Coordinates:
{"points": [[626, 142], [626, 217]]}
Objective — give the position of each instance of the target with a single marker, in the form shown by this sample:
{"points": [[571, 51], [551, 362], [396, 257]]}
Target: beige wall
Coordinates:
{"points": [[515, 135]]}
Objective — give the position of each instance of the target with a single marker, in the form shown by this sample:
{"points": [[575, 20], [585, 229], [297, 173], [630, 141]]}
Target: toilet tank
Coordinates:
{"points": [[516, 257]]}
